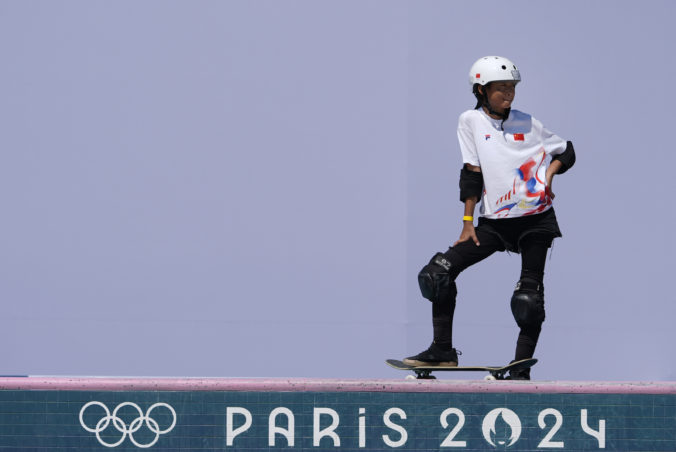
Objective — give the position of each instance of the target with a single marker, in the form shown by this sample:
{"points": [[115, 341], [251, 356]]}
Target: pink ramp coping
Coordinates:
{"points": [[329, 385]]}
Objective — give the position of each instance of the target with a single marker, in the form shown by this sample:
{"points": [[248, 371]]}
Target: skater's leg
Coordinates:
{"points": [[437, 283], [528, 299], [461, 256], [442, 323]]}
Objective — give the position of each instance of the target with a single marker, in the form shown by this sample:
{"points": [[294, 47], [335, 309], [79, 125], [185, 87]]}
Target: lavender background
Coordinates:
{"points": [[250, 188]]}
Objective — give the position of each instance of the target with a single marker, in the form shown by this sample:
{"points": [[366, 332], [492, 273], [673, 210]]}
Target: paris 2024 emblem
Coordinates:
{"points": [[505, 420]]}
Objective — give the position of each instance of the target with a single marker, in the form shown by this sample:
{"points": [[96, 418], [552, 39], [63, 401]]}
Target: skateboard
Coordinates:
{"points": [[495, 372]]}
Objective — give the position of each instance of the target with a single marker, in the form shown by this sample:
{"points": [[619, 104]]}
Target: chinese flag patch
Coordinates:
{"points": [[519, 137]]}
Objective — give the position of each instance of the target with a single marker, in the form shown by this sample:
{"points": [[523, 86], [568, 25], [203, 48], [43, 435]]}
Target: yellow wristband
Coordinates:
{"points": [[467, 218]]}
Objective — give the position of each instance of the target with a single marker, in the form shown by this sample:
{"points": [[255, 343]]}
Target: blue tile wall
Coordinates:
{"points": [[365, 421]]}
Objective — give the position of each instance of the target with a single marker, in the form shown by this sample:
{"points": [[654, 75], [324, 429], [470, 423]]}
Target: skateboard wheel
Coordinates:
{"points": [[489, 378], [410, 377]]}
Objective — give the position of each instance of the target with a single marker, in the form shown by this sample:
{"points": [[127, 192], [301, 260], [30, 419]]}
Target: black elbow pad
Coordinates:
{"points": [[471, 184], [567, 158]]}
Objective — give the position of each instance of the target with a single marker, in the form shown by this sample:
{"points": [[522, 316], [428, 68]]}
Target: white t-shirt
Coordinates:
{"points": [[513, 161]]}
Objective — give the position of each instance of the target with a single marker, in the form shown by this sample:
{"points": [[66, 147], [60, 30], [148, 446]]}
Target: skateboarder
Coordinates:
{"points": [[509, 163]]}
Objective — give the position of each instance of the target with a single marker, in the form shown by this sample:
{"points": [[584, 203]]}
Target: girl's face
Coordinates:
{"points": [[500, 95]]}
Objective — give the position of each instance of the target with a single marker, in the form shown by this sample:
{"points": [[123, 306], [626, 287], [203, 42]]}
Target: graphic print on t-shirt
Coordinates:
{"points": [[513, 156], [529, 189]]}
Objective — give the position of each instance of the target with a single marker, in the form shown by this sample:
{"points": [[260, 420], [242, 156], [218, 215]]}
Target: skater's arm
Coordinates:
{"points": [[468, 231], [566, 158], [552, 169]]}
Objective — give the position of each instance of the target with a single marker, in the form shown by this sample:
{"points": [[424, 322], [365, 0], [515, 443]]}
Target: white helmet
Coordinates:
{"points": [[492, 69]]}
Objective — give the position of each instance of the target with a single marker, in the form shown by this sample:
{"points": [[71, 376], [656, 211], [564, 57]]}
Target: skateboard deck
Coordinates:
{"points": [[496, 372]]}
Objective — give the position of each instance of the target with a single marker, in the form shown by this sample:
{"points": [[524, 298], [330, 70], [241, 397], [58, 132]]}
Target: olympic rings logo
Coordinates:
{"points": [[122, 427]]}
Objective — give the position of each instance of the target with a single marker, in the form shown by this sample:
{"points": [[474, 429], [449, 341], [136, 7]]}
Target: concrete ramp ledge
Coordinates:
{"points": [[330, 385]]}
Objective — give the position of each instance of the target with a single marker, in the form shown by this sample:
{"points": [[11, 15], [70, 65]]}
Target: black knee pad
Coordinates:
{"points": [[436, 279], [528, 304]]}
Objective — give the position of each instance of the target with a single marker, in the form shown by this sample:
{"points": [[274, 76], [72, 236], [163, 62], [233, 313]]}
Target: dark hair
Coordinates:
{"points": [[480, 98]]}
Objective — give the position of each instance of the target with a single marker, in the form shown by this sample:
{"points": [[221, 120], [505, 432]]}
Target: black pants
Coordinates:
{"points": [[529, 236]]}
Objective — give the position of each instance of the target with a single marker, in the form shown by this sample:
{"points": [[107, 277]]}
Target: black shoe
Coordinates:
{"points": [[434, 356], [519, 374]]}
